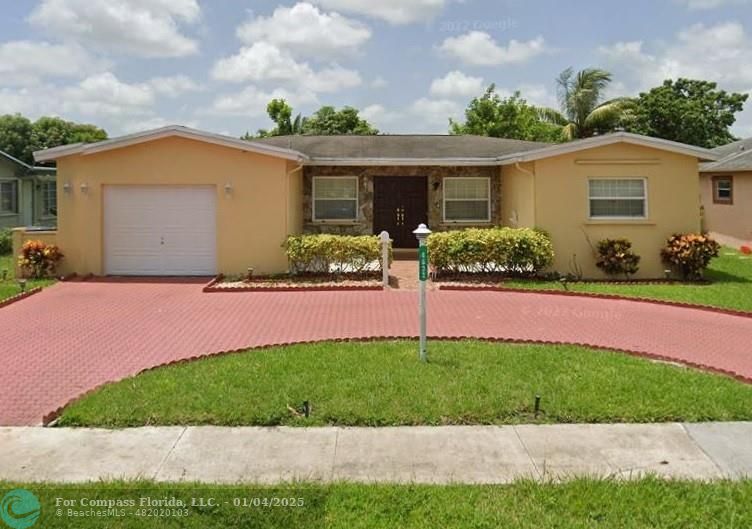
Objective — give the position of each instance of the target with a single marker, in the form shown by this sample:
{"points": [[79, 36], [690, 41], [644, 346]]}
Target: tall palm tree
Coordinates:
{"points": [[584, 112]]}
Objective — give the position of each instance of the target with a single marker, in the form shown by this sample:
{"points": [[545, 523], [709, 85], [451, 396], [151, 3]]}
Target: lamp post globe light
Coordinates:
{"points": [[422, 233]]}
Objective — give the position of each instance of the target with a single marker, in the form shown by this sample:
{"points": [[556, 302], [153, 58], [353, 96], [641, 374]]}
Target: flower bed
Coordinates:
{"points": [[300, 282]]}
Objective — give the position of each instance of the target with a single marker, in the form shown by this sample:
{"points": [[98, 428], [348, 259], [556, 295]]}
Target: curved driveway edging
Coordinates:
{"points": [[598, 295], [75, 336], [19, 297]]}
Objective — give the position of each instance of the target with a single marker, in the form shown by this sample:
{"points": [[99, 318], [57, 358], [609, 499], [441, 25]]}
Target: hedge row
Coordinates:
{"points": [[513, 251], [335, 254]]}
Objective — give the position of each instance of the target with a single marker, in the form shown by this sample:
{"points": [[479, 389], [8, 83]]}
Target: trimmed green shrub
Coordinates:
{"points": [[6, 241], [615, 257], [512, 251], [690, 254], [333, 254]]}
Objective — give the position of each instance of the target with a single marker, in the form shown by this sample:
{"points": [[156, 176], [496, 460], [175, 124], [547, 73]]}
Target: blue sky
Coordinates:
{"points": [[130, 65]]}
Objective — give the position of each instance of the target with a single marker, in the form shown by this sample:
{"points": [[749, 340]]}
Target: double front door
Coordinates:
{"points": [[400, 204]]}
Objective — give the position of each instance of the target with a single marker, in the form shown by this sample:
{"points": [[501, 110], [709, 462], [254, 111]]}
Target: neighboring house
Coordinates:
{"points": [[726, 187], [27, 194], [177, 201]]}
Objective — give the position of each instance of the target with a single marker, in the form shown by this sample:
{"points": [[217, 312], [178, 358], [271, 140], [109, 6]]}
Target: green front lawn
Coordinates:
{"points": [[730, 287], [9, 287], [581, 504], [383, 383]]}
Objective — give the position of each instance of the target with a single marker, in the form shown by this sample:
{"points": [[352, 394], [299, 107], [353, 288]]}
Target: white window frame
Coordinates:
{"points": [[17, 182], [445, 200], [314, 199], [43, 183], [644, 198]]}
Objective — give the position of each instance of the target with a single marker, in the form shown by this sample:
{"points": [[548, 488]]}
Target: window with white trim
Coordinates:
{"points": [[48, 192], [618, 198], [9, 197], [467, 199], [335, 198]]}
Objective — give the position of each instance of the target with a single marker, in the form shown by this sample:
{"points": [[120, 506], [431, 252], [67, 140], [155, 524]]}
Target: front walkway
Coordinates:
{"points": [[73, 337], [453, 454]]}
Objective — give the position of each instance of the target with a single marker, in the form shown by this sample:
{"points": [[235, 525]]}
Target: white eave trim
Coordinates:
{"points": [[609, 139], [447, 162], [166, 132]]}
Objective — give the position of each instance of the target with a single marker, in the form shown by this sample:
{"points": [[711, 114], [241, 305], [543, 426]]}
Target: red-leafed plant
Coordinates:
{"points": [[690, 254], [615, 257], [38, 260]]}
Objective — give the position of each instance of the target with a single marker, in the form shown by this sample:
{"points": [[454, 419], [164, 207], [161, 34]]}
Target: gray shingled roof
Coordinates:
{"points": [[402, 146], [737, 156]]}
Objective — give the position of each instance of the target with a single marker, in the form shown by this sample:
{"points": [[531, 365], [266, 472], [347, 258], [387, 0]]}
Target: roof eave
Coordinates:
{"points": [[56, 153], [448, 162]]}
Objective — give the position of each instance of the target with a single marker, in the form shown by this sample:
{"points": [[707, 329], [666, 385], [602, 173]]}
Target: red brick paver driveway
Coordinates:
{"points": [[75, 336]]}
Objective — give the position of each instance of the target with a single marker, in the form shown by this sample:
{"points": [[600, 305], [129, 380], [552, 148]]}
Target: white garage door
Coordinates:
{"points": [[160, 230]]}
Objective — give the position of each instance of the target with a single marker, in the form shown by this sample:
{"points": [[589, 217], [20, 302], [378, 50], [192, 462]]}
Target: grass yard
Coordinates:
{"points": [[383, 383], [524, 505], [730, 275], [9, 287]]}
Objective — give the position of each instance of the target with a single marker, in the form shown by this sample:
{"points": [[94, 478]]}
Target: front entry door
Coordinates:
{"points": [[400, 203]]}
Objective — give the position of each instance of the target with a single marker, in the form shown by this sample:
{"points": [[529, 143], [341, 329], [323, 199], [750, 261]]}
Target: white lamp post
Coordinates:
{"points": [[422, 234]]}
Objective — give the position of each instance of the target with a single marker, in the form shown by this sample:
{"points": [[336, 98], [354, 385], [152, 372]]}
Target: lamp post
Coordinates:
{"points": [[422, 234]]}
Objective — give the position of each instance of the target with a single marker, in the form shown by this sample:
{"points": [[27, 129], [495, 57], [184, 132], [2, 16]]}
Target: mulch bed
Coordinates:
{"points": [[305, 283]]}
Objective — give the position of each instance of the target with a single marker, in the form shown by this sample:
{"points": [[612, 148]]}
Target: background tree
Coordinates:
{"points": [[325, 121], [583, 109], [688, 111], [19, 137], [511, 117]]}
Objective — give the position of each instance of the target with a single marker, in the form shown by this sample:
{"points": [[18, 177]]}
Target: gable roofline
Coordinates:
{"points": [[166, 132], [15, 160], [726, 163], [610, 139]]}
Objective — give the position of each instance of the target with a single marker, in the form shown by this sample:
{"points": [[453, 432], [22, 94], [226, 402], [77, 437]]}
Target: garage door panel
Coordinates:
{"points": [[160, 230]]}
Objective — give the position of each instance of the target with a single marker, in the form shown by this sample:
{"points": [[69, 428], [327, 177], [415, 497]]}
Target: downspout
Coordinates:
{"points": [[535, 198], [287, 197]]}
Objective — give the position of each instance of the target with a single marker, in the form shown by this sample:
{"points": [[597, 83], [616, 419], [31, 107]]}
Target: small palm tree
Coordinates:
{"points": [[584, 112]]}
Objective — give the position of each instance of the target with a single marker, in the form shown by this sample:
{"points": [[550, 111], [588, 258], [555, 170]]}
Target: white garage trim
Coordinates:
{"points": [[160, 230]]}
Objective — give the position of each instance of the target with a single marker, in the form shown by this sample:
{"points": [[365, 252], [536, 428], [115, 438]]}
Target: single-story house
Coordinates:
{"points": [[726, 187], [28, 195], [178, 201]]}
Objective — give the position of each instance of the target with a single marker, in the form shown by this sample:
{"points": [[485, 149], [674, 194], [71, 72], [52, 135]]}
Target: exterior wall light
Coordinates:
{"points": [[228, 189], [84, 187], [66, 187]]}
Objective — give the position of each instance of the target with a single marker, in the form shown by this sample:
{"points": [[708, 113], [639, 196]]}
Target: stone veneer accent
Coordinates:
{"points": [[366, 174]]}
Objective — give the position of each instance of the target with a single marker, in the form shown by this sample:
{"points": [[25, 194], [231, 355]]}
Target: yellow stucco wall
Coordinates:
{"points": [[562, 207], [729, 219], [518, 196], [252, 220]]}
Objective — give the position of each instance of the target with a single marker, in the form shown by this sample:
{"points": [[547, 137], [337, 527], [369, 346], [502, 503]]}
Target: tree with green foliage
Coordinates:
{"points": [[583, 109], [19, 137], [511, 117], [325, 121], [688, 111]]}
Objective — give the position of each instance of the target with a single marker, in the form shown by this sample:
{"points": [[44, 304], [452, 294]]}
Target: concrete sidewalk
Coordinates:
{"points": [[461, 454]]}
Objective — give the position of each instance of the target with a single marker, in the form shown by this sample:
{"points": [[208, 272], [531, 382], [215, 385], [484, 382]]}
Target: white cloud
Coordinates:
{"points": [[711, 4], [104, 94], [146, 28], [265, 62], [393, 11], [379, 82], [173, 86], [150, 123], [252, 101], [716, 53], [24, 62], [306, 31], [435, 112], [457, 84], [478, 48]]}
